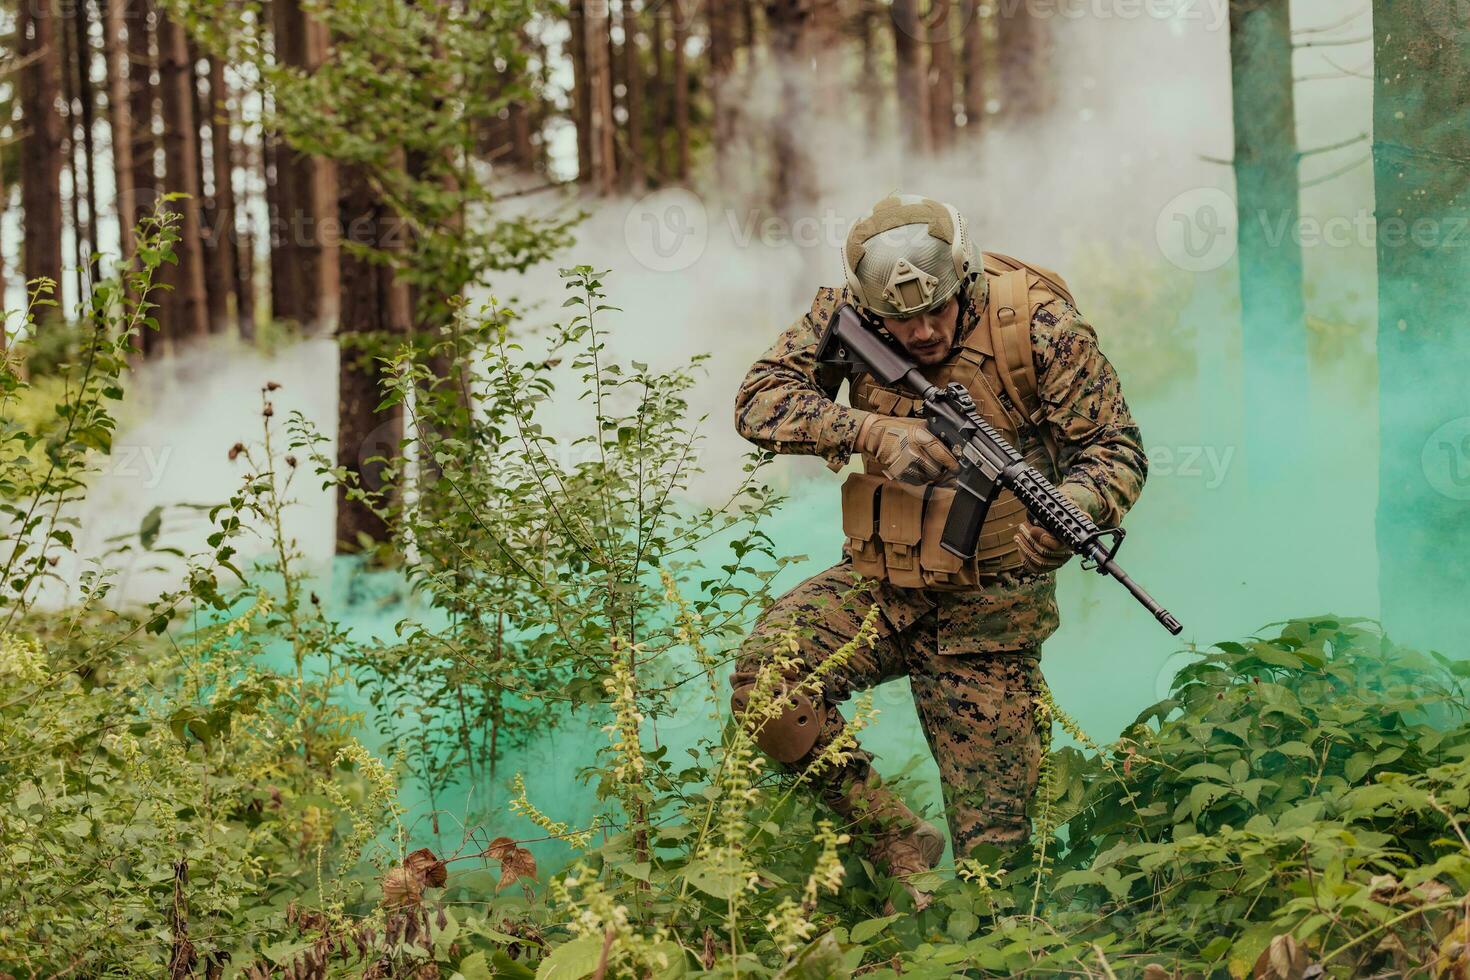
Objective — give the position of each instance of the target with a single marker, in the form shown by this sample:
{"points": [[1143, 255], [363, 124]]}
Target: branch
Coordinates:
{"points": [[1334, 42], [1333, 146]]}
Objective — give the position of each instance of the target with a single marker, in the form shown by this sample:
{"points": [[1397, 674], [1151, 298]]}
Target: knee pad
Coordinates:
{"points": [[792, 733]]}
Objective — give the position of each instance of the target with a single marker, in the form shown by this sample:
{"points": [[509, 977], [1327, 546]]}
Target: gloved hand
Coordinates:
{"points": [[1040, 549], [905, 448]]}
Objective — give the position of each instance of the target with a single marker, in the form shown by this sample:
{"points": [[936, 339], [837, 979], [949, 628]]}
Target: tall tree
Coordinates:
{"points": [[681, 88], [305, 188], [120, 119], [374, 311], [720, 58], [245, 151], [1422, 179], [633, 177], [1273, 319], [220, 239], [787, 21], [659, 101], [938, 34], [581, 92], [184, 311], [142, 101], [913, 103], [871, 87], [41, 157], [141, 19], [86, 100], [1023, 51], [602, 177], [972, 52]]}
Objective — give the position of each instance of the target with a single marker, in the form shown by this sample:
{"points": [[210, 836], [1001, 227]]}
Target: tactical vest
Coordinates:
{"points": [[893, 529]]}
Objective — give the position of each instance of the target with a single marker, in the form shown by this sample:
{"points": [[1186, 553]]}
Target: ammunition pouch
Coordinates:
{"points": [[893, 532]]}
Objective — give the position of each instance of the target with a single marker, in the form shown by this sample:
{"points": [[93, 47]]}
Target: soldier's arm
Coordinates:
{"points": [[786, 402], [1099, 447]]}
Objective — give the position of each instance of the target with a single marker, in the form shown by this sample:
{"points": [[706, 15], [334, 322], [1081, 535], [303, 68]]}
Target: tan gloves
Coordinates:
{"points": [[905, 448], [1041, 551]]}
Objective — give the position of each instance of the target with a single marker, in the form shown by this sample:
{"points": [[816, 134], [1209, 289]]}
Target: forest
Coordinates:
{"points": [[377, 545]]}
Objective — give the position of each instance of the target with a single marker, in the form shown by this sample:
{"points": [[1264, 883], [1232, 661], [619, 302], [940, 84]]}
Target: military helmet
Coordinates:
{"points": [[908, 255]]}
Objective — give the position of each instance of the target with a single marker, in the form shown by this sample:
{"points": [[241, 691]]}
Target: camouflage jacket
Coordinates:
{"points": [[786, 404]]}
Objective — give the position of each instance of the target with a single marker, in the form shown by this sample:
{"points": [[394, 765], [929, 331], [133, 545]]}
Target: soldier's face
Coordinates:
{"points": [[928, 336]]}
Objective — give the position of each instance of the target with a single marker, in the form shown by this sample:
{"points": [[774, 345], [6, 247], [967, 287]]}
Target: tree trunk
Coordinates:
{"points": [[659, 102], [870, 86], [220, 241], [1023, 51], [305, 190], [73, 214], [184, 313], [1273, 321], [973, 53], [142, 109], [120, 118], [87, 103], [720, 28], [581, 93], [681, 87], [913, 114], [374, 311], [940, 42], [245, 153], [40, 162], [603, 171], [633, 101], [1421, 143], [142, 97]]}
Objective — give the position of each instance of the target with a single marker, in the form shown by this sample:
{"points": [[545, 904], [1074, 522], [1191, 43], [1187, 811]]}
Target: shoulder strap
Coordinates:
{"points": [[997, 263], [1010, 330]]}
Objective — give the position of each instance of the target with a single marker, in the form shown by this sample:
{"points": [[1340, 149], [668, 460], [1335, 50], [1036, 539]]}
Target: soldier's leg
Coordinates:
{"points": [[822, 614], [826, 612], [979, 715]]}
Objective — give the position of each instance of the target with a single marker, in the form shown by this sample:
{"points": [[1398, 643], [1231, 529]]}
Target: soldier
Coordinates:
{"points": [[967, 634]]}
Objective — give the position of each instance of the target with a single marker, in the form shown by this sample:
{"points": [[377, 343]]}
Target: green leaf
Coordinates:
{"points": [[869, 928], [475, 967], [149, 528], [573, 960]]}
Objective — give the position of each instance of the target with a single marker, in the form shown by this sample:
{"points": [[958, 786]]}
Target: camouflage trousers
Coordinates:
{"points": [[977, 709]]}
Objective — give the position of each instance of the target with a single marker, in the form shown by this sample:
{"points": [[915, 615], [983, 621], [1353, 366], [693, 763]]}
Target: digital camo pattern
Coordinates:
{"points": [[972, 657], [977, 711], [785, 404], [1099, 447]]}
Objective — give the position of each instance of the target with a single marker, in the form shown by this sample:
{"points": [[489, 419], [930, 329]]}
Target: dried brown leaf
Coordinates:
{"points": [[1284, 959]]}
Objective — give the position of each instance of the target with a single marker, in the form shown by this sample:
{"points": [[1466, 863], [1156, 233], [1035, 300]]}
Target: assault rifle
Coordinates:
{"points": [[987, 462]]}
